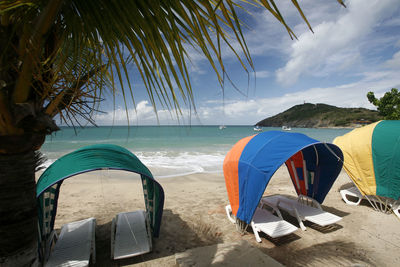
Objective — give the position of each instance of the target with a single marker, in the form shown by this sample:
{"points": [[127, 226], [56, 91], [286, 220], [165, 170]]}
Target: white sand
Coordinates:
{"points": [[194, 216]]}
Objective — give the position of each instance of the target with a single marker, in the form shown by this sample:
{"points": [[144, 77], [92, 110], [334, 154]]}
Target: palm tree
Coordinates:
{"points": [[59, 57]]}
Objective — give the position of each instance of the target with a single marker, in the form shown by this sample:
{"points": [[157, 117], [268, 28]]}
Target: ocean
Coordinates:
{"points": [[167, 150]]}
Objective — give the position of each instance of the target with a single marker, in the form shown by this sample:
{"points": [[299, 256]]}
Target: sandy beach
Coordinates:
{"points": [[194, 216]]}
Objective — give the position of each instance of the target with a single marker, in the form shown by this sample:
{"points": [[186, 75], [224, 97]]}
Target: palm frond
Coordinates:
{"points": [[57, 47]]}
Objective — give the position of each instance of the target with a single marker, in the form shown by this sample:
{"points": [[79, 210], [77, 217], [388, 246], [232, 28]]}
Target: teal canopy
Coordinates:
{"points": [[91, 158]]}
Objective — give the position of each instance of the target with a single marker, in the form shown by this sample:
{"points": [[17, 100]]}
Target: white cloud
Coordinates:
{"points": [[262, 74], [144, 114], [343, 39], [394, 62], [248, 112], [334, 41], [345, 95], [265, 35]]}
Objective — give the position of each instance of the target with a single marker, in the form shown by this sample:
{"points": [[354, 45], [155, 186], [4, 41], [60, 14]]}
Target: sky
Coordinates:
{"points": [[352, 51]]}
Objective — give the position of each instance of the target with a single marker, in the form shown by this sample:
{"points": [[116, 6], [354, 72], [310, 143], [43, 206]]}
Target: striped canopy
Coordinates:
{"points": [[91, 158], [248, 167], [372, 158]]}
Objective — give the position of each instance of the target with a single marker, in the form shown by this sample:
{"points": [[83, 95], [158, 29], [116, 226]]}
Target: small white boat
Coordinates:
{"points": [[257, 128], [221, 127], [286, 128]]}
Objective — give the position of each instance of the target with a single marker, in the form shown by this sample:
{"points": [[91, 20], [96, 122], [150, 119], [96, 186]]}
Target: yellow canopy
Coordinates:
{"points": [[357, 153]]}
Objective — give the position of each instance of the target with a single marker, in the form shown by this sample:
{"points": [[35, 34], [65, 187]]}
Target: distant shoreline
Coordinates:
{"points": [[216, 125]]}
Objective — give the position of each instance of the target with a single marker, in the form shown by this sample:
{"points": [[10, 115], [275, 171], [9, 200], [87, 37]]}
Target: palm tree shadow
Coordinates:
{"points": [[176, 235], [339, 253], [227, 254], [332, 253]]}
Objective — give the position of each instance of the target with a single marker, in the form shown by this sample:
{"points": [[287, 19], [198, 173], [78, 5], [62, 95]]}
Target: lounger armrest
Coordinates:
{"points": [[278, 212], [271, 206], [306, 200], [294, 212]]}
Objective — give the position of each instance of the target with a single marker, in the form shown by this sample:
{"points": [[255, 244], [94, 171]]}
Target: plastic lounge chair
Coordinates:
{"points": [[376, 203], [75, 244], [353, 192], [264, 221], [130, 235], [304, 209]]}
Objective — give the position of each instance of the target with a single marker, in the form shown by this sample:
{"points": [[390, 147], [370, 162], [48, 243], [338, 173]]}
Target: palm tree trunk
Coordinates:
{"points": [[18, 211]]}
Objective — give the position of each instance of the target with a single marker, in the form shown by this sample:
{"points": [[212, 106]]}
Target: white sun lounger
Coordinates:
{"points": [[304, 209], [130, 235], [75, 244], [353, 192], [264, 221], [376, 203]]}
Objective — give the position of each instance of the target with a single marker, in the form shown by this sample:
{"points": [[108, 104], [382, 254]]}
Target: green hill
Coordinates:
{"points": [[321, 115]]}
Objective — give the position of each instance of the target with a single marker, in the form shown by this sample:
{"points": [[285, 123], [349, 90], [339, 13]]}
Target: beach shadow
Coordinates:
{"points": [[346, 186], [335, 211], [103, 245], [339, 253], [227, 254], [280, 241], [176, 235], [323, 229]]}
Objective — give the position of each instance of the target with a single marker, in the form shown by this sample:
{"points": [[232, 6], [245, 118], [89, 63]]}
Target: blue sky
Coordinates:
{"points": [[353, 50]]}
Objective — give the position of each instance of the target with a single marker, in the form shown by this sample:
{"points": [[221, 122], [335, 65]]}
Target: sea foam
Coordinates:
{"points": [[168, 164]]}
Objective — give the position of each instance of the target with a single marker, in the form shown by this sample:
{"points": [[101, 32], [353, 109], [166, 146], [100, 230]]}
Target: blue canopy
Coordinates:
{"points": [[249, 166]]}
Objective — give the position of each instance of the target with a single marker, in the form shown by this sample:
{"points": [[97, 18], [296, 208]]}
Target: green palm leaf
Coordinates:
{"points": [[56, 47]]}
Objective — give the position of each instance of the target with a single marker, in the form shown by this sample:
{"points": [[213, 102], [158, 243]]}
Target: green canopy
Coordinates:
{"points": [[91, 158], [372, 158]]}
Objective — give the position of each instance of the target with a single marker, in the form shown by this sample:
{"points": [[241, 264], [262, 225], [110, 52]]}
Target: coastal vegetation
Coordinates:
{"points": [[321, 115], [60, 58], [388, 105]]}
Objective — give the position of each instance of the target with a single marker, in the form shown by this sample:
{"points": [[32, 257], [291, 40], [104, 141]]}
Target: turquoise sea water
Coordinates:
{"points": [[168, 150]]}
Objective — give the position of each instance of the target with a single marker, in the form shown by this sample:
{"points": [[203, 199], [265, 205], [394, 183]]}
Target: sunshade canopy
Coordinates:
{"points": [[88, 159], [250, 164], [372, 158]]}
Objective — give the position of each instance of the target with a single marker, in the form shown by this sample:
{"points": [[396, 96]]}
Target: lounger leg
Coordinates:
{"points": [[255, 231], [94, 243], [112, 237], [228, 210], [396, 211], [302, 225], [299, 220]]}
